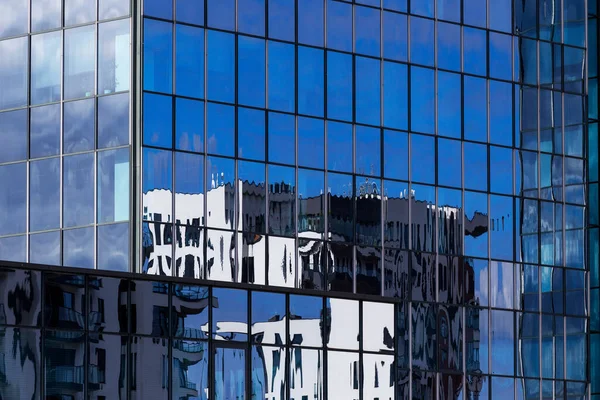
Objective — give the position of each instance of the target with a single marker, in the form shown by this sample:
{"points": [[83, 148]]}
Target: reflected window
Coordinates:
{"points": [[220, 178], [281, 263], [251, 181], [157, 185], [46, 67], [190, 311], [311, 212], [113, 55], [282, 194], [113, 185], [306, 315], [13, 69], [189, 189], [425, 331], [25, 287], [340, 206], [340, 267], [476, 224], [268, 318]]}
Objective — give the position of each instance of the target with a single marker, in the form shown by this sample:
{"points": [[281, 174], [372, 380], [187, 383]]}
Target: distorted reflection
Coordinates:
{"points": [[189, 311], [149, 369], [251, 254], [230, 314], [107, 367], [190, 369], [20, 363], [20, 302], [312, 264], [424, 332], [343, 376], [268, 318], [342, 325], [340, 267], [150, 298], [378, 327], [306, 373], [378, 376], [368, 270], [268, 372], [306, 320], [230, 373], [13, 69], [423, 276]]}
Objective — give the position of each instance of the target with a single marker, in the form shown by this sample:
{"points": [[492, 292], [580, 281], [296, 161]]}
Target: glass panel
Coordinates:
{"points": [[311, 212], [310, 22], [422, 41], [282, 215], [113, 247], [159, 8], [378, 327], [158, 120], [45, 15], [343, 329], [310, 81], [16, 21], [112, 8], [230, 314], [268, 318], [282, 138], [189, 60], [368, 91], [281, 67], [64, 297], [78, 125], [190, 11], [113, 55], [110, 376], [503, 342], [449, 44], [79, 11], [13, 68], [376, 370], [230, 373], [149, 370], [20, 296], [113, 120], [312, 264], [80, 62], [220, 180], [21, 362], [221, 14], [190, 369], [475, 111], [311, 142], [189, 125], [251, 16], [367, 31], [306, 373], [395, 162], [220, 129], [108, 305], [251, 189], [44, 194], [46, 67], [501, 115], [282, 21], [158, 56], [306, 313], [190, 313], [339, 85], [449, 105], [449, 168], [65, 362], [423, 276], [451, 280], [282, 262], [395, 36], [476, 224], [422, 153], [45, 131], [78, 248], [13, 135], [395, 95], [14, 248], [474, 49], [368, 155], [395, 272], [189, 189], [339, 25], [113, 185], [157, 185], [78, 190], [220, 55], [422, 101], [343, 375], [251, 134], [251, 71], [340, 192]]}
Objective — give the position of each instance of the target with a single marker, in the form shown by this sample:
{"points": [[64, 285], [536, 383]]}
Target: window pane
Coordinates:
{"points": [[251, 134], [368, 97], [221, 66], [448, 10], [220, 178], [79, 125], [113, 247], [189, 125], [501, 116], [157, 185], [158, 120], [45, 131], [475, 112], [13, 199], [449, 104], [474, 51], [339, 86], [44, 248], [281, 83], [339, 25], [474, 12], [16, 21], [282, 21], [422, 153], [44, 194], [45, 15], [448, 46], [45, 67], [251, 187], [113, 120], [476, 166], [339, 146], [251, 16], [449, 163], [79, 11], [159, 8], [13, 72], [80, 62], [500, 15], [251, 71], [500, 56], [422, 100], [13, 136], [367, 31], [395, 95], [220, 129], [189, 61], [189, 187], [113, 57], [282, 181], [221, 14], [14, 248], [109, 9], [421, 43], [368, 151], [282, 138], [78, 190], [395, 40], [229, 305], [310, 81], [190, 11], [395, 150], [113, 185], [311, 212], [310, 22], [158, 56], [311, 142]]}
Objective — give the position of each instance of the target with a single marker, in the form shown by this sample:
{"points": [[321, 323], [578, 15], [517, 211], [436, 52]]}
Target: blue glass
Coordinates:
{"points": [[396, 5], [474, 13], [267, 308], [190, 11], [13, 206], [114, 56], [367, 31], [158, 120], [395, 95], [251, 134], [221, 66], [44, 131], [422, 100], [501, 170], [476, 166], [395, 36], [502, 342], [159, 8], [339, 146], [368, 95], [500, 56], [14, 248], [339, 86], [220, 126], [78, 125], [229, 305], [158, 56], [282, 138], [422, 152], [113, 120], [221, 14], [474, 51], [448, 46], [476, 210], [281, 70], [113, 185], [339, 25], [251, 71], [157, 177], [13, 135], [449, 102], [251, 17], [282, 20], [46, 67], [17, 21], [44, 248], [189, 125], [423, 7], [78, 190], [500, 15], [475, 111], [113, 247], [311, 87], [189, 181], [449, 167], [421, 41], [395, 155], [368, 151], [78, 247], [44, 194], [311, 22], [45, 15], [501, 116], [189, 61], [13, 71], [311, 142]]}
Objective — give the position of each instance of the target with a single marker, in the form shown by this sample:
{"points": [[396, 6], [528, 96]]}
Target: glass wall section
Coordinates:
{"points": [[65, 132]]}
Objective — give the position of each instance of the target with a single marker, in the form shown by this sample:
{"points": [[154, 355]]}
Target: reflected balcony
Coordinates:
{"points": [[65, 336], [188, 347], [65, 377], [160, 288], [191, 293], [190, 333], [2, 320], [71, 316]]}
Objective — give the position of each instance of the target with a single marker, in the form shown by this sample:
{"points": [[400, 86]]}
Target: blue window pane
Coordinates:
{"points": [[395, 36], [45, 15], [44, 194], [500, 56], [45, 67], [448, 47], [44, 248], [114, 52], [449, 104], [474, 12], [395, 95], [474, 51], [189, 125], [396, 5], [158, 56], [158, 120], [339, 146], [189, 61], [113, 185], [45, 131], [251, 134], [157, 178], [310, 22], [501, 116], [14, 248], [190, 11], [113, 120], [368, 151], [339, 86], [282, 21], [251, 71], [79, 122], [476, 166], [367, 29], [448, 10], [395, 153], [310, 81], [421, 41], [189, 183], [15, 22], [422, 7], [13, 201], [113, 247], [500, 15], [449, 167], [311, 142], [220, 129], [422, 100], [339, 25], [221, 66], [13, 135], [282, 138], [475, 117], [501, 170], [78, 247], [251, 17], [13, 72], [221, 14], [476, 209], [422, 152], [159, 8], [282, 64], [368, 95], [78, 190]]}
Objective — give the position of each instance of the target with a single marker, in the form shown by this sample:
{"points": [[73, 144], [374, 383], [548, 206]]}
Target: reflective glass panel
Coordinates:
{"points": [[79, 11], [80, 62], [45, 15], [251, 16], [189, 125], [113, 55], [368, 91], [45, 67], [113, 120], [282, 21], [79, 125], [251, 134], [230, 373], [113, 185], [13, 135], [268, 318], [339, 86], [112, 9], [342, 374], [20, 297], [158, 120], [378, 327], [220, 55], [190, 312], [220, 128], [44, 194], [78, 247], [190, 11], [230, 319], [158, 56], [13, 69], [16, 22], [78, 190], [281, 66], [221, 14], [189, 61], [113, 247], [251, 71]]}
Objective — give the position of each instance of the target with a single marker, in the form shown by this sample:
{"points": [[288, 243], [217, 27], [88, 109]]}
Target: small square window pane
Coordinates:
{"points": [[282, 21], [44, 248], [15, 22], [190, 11], [221, 14], [78, 247], [159, 8], [109, 9], [79, 12], [251, 16]]}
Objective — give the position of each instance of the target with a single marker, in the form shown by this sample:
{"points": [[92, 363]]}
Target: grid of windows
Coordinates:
{"points": [[65, 132]]}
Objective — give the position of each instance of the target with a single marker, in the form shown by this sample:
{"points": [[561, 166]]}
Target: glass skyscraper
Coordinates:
{"points": [[299, 200]]}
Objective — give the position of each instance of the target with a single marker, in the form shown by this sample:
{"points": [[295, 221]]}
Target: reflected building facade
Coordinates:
{"points": [[299, 199]]}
